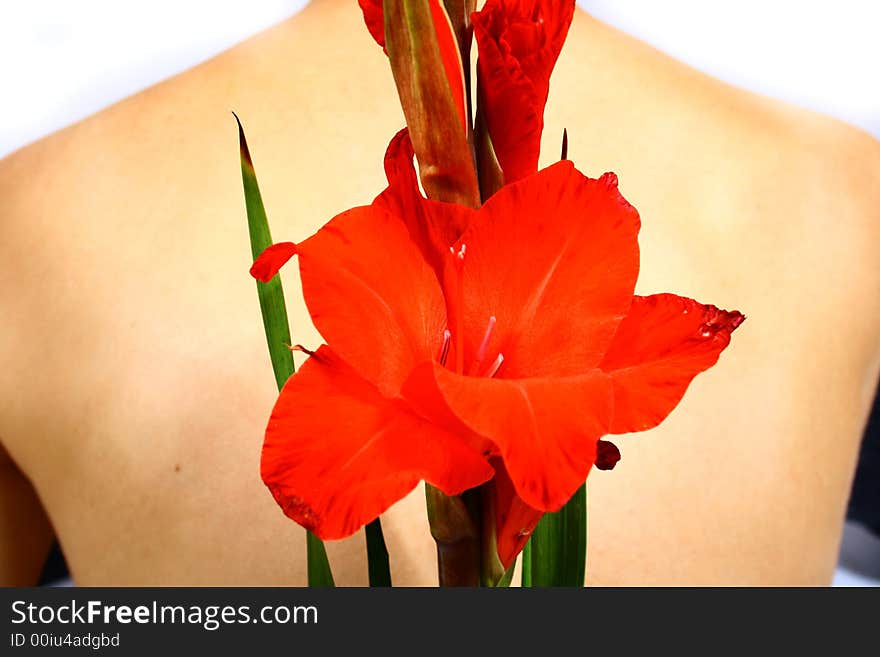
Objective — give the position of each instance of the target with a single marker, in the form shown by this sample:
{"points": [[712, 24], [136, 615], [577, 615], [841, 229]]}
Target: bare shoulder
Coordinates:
{"points": [[718, 165], [830, 172], [86, 217], [832, 164], [132, 220], [827, 174]]}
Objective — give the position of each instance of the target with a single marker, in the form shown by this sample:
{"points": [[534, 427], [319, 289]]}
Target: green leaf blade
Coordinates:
{"points": [[556, 554], [271, 294], [319, 571], [527, 565], [377, 555], [277, 327]]}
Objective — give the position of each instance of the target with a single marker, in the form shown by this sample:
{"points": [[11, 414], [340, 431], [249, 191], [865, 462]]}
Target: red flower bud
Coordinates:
{"points": [[519, 42]]}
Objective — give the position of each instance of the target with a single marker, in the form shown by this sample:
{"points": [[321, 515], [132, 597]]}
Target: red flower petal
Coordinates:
{"points": [[374, 19], [433, 226], [403, 192], [519, 42], [372, 296], [271, 260], [514, 519], [337, 453], [545, 429], [661, 345], [554, 258]]}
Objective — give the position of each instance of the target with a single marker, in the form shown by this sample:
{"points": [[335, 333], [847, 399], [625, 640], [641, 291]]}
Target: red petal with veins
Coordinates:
{"points": [[271, 260], [338, 453], [372, 296], [519, 42], [545, 429], [555, 259], [662, 344]]}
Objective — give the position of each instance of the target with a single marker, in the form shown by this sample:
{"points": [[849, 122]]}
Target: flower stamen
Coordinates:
{"points": [[301, 349], [444, 350], [495, 366], [459, 321], [484, 346]]}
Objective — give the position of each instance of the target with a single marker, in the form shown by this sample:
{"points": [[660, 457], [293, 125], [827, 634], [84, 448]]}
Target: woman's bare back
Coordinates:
{"points": [[135, 383]]}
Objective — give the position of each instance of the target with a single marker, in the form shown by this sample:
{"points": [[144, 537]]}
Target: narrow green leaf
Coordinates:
{"points": [[320, 574], [557, 551], [275, 322], [271, 294], [377, 555]]}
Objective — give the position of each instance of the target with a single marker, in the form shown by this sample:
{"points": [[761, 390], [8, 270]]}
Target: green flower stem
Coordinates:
{"points": [[277, 327], [491, 569]]}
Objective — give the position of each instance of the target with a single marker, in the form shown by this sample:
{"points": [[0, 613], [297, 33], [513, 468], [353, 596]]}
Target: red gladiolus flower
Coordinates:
{"points": [[519, 42], [465, 344]]}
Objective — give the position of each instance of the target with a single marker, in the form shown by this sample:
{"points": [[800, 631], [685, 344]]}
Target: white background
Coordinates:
{"points": [[61, 60]]}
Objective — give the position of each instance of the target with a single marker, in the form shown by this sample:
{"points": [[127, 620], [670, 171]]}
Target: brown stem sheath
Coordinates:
{"points": [[457, 537], [441, 143]]}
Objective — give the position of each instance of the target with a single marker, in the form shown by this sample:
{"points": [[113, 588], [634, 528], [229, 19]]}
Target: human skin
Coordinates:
{"points": [[135, 384]]}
